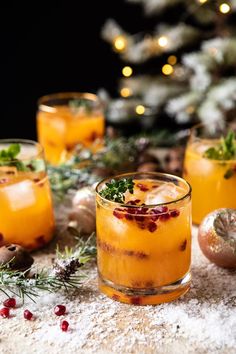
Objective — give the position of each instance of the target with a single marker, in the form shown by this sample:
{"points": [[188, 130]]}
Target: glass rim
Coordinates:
{"points": [[191, 136], [156, 174], [43, 106], [40, 150]]}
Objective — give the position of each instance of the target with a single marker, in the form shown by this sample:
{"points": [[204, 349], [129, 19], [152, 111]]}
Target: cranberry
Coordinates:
{"points": [[142, 187], [64, 326], [11, 302], [117, 214], [174, 213], [152, 227], [59, 310], [28, 315], [5, 312]]}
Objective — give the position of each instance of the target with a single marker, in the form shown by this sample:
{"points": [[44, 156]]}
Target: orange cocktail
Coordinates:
{"points": [[213, 181], [67, 119], [25, 198], [144, 244]]}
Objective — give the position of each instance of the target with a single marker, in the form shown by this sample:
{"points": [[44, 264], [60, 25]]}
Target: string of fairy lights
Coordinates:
{"points": [[120, 44]]}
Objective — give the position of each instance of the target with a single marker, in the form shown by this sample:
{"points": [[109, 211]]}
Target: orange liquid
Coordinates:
{"points": [[210, 189], [137, 254], [26, 209], [60, 131]]}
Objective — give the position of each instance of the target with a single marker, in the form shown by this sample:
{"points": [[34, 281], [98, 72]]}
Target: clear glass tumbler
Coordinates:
{"points": [[144, 244], [26, 206], [67, 119], [213, 181]]}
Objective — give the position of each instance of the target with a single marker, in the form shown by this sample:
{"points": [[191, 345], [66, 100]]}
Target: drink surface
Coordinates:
{"points": [[63, 128], [145, 247], [213, 182]]}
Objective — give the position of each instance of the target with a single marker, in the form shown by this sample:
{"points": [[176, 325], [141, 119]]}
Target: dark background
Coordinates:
{"points": [[55, 46]]}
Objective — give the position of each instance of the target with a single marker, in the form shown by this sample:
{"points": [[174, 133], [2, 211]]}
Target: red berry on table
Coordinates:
{"points": [[5, 312], [11, 302], [59, 310], [28, 315], [64, 326]]}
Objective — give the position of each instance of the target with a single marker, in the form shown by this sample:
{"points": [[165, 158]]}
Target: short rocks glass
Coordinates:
{"points": [[67, 119], [26, 211], [144, 245], [213, 181]]}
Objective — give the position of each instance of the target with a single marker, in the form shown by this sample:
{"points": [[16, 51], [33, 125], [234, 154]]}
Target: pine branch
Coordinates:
{"points": [[64, 274]]}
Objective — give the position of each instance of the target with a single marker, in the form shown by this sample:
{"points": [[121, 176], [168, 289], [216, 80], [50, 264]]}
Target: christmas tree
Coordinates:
{"points": [[192, 51]]}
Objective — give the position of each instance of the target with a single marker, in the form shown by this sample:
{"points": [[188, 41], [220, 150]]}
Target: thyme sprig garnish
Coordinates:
{"points": [[225, 150], [115, 189], [63, 274]]}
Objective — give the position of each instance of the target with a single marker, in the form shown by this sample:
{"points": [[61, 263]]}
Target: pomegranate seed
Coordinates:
{"points": [[154, 217], [183, 245], [59, 310], [5, 312], [135, 300], [174, 213], [64, 326], [117, 214], [128, 217], [11, 302], [160, 210], [115, 297], [141, 225], [164, 217], [142, 210], [152, 227], [131, 210], [4, 180], [131, 202], [142, 187], [139, 218], [28, 315]]}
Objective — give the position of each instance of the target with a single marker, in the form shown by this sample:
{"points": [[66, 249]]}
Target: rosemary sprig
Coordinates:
{"points": [[118, 155], [115, 190], [225, 150], [63, 274]]}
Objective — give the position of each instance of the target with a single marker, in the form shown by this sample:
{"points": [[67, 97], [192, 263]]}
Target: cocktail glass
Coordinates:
{"points": [[144, 244], [26, 207], [67, 119], [213, 182]]}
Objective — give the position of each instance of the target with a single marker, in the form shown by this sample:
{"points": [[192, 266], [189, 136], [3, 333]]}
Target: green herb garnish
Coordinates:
{"points": [[226, 150], [76, 104], [8, 157], [115, 190]]}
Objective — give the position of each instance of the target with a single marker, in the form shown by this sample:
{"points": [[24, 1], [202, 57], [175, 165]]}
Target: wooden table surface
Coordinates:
{"points": [[202, 321]]}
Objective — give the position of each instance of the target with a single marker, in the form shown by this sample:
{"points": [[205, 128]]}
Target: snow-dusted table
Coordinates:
{"points": [[203, 321]]}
